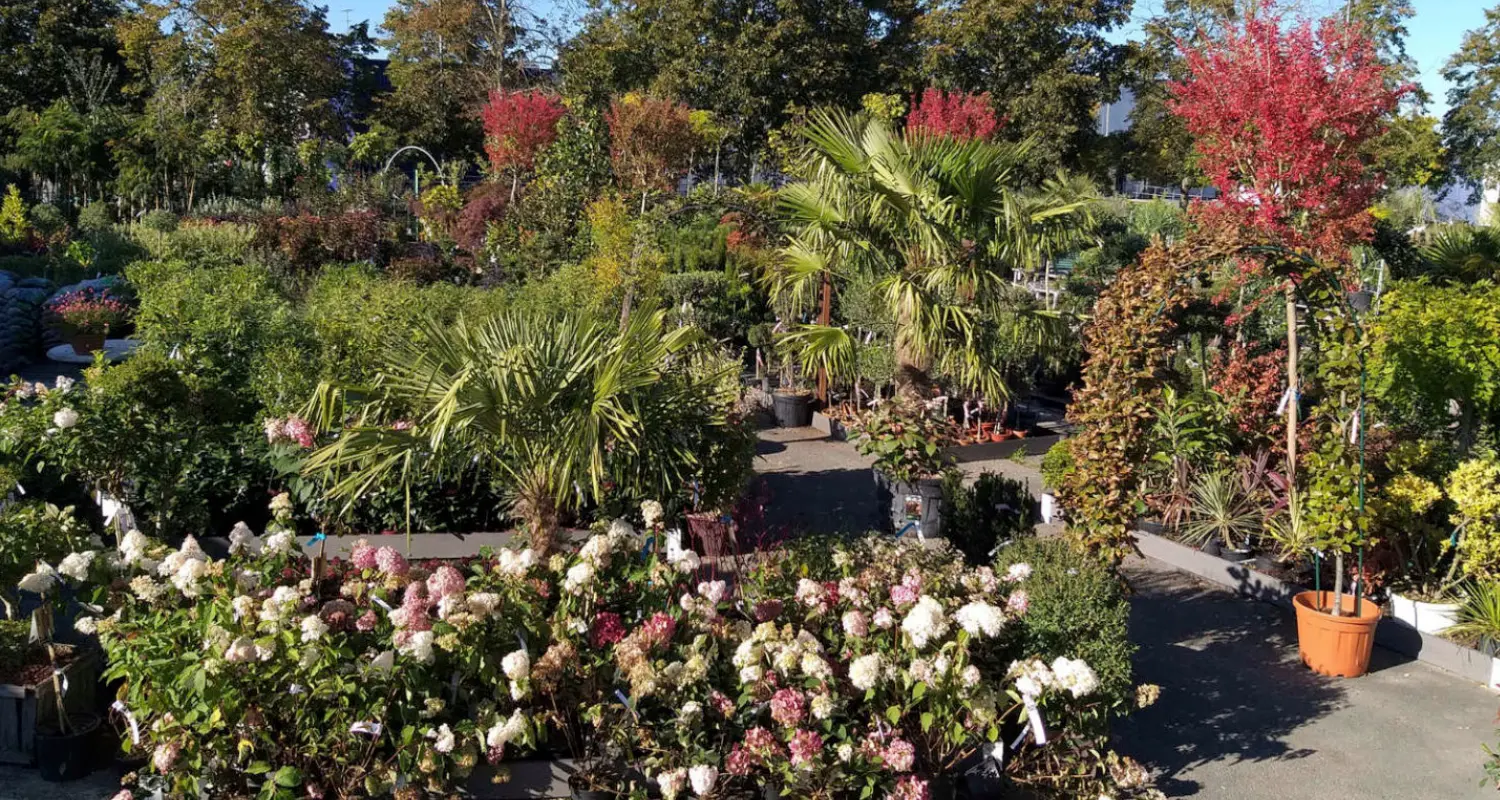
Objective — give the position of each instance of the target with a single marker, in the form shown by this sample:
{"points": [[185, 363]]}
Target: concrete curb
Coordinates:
{"points": [[1464, 662]]}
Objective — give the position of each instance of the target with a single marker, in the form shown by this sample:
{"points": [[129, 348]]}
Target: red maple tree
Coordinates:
{"points": [[1280, 117], [959, 115], [518, 126], [651, 142]]}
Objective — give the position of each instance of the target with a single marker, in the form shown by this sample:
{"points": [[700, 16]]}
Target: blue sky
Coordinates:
{"points": [[1434, 33]]}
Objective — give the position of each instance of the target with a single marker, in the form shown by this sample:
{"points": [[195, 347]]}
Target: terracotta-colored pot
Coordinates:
{"points": [[1332, 645], [1020, 434], [1000, 436], [86, 343], [985, 429]]}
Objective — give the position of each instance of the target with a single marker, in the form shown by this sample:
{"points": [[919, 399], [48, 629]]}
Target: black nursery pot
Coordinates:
{"points": [[793, 409], [591, 794], [1235, 555], [62, 757]]}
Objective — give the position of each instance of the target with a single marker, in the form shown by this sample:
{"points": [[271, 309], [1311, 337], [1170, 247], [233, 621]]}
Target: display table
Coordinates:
{"points": [[113, 350]]}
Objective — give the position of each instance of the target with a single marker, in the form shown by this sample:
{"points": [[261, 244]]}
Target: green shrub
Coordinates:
{"points": [[1056, 464], [719, 303], [1077, 609], [15, 643], [47, 219], [218, 243], [95, 217], [31, 531], [980, 516], [231, 321], [160, 220]]}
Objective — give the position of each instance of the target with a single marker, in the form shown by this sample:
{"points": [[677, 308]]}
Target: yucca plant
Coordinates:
{"points": [[938, 224], [1479, 615], [1220, 510], [553, 409]]}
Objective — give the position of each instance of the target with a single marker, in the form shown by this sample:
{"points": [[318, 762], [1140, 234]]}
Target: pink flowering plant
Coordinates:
{"points": [[88, 311], [861, 672]]}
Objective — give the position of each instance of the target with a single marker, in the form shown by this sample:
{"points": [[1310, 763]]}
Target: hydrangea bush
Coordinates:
{"points": [[868, 673]]}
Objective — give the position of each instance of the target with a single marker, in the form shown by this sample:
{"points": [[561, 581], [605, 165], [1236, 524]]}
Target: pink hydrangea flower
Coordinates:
{"points": [[1018, 602], [721, 703], [367, 621], [391, 562], [788, 707], [910, 788], [761, 741], [363, 555], [805, 747], [903, 595], [899, 755], [740, 761], [445, 581], [659, 628], [165, 756], [606, 630]]}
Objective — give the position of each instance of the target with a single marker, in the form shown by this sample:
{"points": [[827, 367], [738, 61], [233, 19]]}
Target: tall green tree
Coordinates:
{"points": [[1047, 64], [748, 61], [1471, 128], [445, 58], [42, 40]]}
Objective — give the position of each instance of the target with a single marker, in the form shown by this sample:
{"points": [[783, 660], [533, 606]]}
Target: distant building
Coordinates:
{"points": [[1114, 117]]}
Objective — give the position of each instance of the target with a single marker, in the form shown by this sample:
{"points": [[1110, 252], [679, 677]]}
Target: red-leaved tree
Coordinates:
{"points": [[518, 126], [1280, 117], [651, 142], [960, 115]]}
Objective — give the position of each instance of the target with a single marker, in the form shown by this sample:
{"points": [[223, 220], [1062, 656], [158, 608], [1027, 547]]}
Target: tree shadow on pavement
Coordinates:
{"points": [[821, 501], [1232, 685]]}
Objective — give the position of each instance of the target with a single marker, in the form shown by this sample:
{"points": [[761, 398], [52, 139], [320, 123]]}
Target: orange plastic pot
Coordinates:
{"points": [[1330, 645]]}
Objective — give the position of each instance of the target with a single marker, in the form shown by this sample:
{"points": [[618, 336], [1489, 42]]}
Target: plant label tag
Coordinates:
{"points": [[674, 544], [367, 728], [135, 728], [1034, 716]]}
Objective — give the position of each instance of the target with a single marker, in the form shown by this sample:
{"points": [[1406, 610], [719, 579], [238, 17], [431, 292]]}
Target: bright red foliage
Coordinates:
{"points": [[518, 126], [958, 114], [1251, 386], [651, 141], [1280, 118]]}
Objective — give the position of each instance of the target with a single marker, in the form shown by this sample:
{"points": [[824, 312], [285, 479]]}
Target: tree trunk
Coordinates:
{"points": [[1292, 385], [1338, 585], [825, 318], [515, 181]]}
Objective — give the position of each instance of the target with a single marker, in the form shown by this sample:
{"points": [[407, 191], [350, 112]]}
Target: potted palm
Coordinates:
{"points": [[906, 443]]}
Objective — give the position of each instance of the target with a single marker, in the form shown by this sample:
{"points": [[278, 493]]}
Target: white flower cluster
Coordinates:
{"points": [[185, 567], [515, 564], [865, 671], [502, 733], [240, 538], [77, 565], [925, 622], [980, 619], [1072, 675], [686, 561], [40, 581]]}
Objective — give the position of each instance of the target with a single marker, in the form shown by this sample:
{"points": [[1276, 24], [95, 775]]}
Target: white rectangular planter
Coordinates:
{"points": [[1426, 617]]}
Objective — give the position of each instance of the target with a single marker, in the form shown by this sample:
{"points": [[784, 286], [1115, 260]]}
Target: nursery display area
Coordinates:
{"points": [[284, 313]]}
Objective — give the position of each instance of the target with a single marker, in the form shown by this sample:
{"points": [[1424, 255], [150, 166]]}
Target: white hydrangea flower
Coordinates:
{"points": [[821, 706], [621, 531], [133, 547], [76, 565], [691, 712], [515, 563], [281, 603], [503, 733], [41, 581], [1018, 572], [597, 550], [483, 604], [281, 543], [88, 626], [442, 739], [418, 646], [65, 418], [241, 650], [712, 591], [925, 622], [1075, 676], [672, 782], [865, 671], [751, 673], [187, 576], [516, 665], [384, 662], [652, 512], [240, 538], [703, 777], [313, 628], [1032, 677], [980, 619], [687, 562], [579, 576]]}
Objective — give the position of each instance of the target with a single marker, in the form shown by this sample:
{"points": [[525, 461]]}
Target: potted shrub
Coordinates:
{"points": [[1057, 463], [907, 445], [66, 739], [791, 402], [86, 316], [1424, 594], [1335, 630]]}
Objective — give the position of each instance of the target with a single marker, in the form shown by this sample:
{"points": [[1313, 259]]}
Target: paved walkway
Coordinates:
{"points": [[1240, 718]]}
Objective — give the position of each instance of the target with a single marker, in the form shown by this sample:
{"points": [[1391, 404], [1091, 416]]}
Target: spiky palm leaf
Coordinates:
{"points": [[554, 405], [939, 223]]}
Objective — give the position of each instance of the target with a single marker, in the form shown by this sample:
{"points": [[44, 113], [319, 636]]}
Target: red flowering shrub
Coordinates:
{"points": [[955, 114], [309, 241], [354, 236]]}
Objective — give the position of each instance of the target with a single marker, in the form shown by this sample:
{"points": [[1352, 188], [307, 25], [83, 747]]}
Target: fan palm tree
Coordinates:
{"points": [[1462, 252], [939, 223], [553, 407]]}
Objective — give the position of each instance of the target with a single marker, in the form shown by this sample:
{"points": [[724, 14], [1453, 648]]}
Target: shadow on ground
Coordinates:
{"points": [[1232, 686], [822, 501]]}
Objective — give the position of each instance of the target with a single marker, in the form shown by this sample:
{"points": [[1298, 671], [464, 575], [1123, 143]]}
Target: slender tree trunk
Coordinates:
{"points": [[515, 181], [825, 318], [1292, 385], [718, 148]]}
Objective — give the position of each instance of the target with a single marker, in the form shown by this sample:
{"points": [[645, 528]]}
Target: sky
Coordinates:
{"points": [[1434, 33]]}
